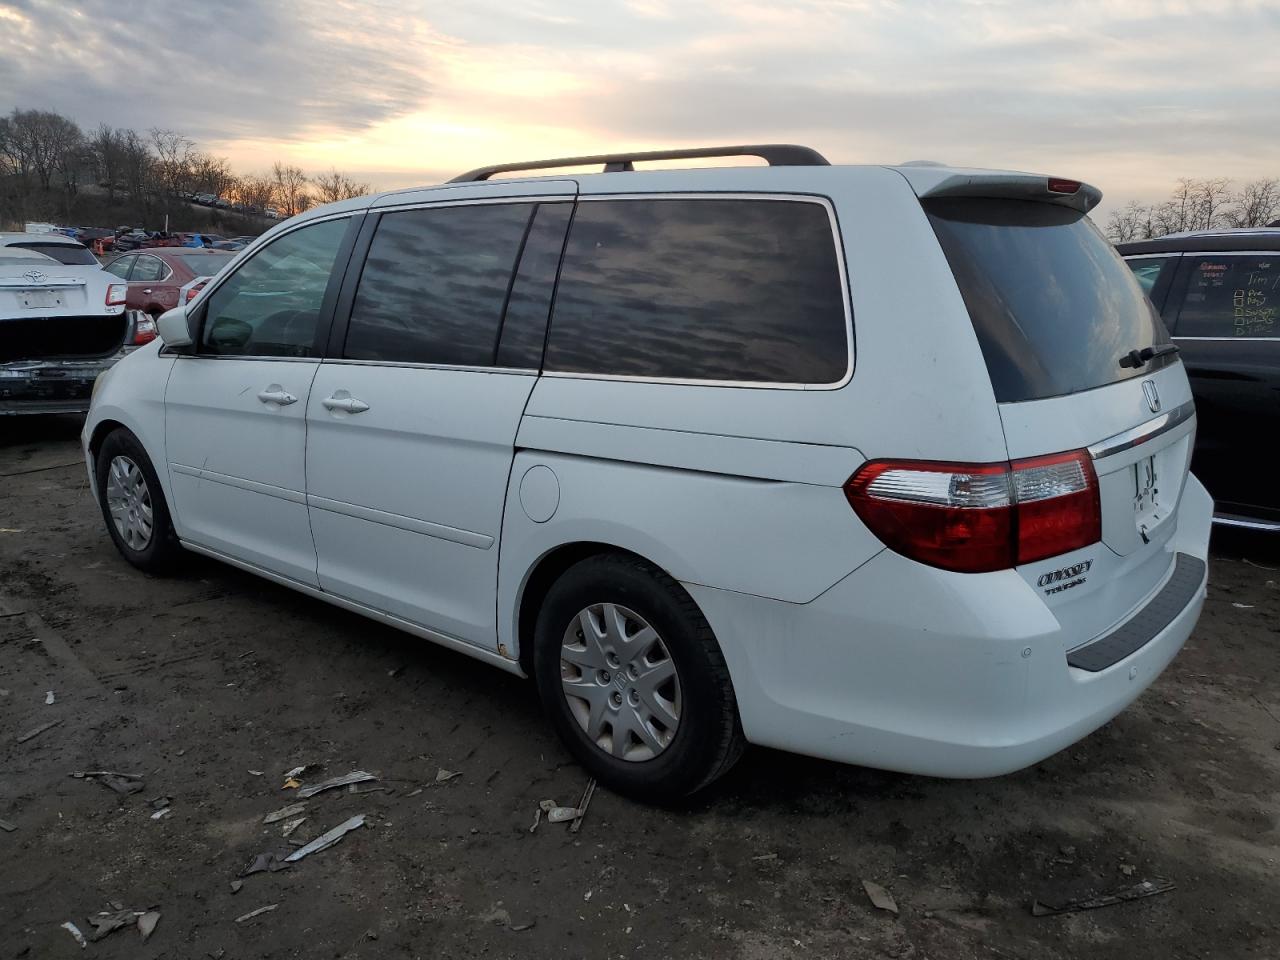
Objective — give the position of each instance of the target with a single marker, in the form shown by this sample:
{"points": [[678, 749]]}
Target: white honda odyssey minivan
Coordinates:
{"points": [[886, 465]]}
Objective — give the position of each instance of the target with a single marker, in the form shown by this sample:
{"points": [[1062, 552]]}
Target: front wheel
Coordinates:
{"points": [[133, 504], [634, 680]]}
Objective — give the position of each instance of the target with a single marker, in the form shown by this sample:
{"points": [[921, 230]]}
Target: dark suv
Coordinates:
{"points": [[1219, 294]]}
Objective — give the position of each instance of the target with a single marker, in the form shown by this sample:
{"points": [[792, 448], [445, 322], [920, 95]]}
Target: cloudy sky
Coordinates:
{"points": [[1128, 94]]}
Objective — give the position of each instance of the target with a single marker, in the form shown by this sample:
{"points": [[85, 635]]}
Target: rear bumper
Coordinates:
{"points": [[904, 667], [50, 386]]}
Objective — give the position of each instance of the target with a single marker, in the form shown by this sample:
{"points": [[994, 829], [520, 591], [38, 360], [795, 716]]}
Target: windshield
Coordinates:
{"points": [[1052, 302], [72, 255], [205, 264]]}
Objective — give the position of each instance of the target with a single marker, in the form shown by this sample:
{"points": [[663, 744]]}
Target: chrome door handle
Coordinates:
{"points": [[349, 404], [148, 290], [277, 395]]}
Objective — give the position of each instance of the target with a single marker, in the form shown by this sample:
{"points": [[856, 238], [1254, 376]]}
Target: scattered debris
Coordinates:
{"points": [[1147, 888], [765, 856], [268, 862], [587, 794], [105, 923], [519, 925], [158, 803], [355, 776], [880, 898], [236, 885], [301, 771], [72, 929], [292, 810], [395, 671], [122, 783], [356, 790], [563, 814], [415, 792], [256, 913], [147, 923], [326, 840], [7, 827], [1259, 565], [587, 896], [537, 819], [162, 813], [443, 775], [291, 784], [49, 698], [1242, 606], [255, 773], [32, 734], [291, 825], [1127, 869]]}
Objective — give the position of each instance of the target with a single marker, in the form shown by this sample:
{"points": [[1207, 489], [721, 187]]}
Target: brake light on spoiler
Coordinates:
{"points": [[979, 517]]}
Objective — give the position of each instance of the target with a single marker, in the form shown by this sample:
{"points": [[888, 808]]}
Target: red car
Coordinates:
{"points": [[156, 275]]}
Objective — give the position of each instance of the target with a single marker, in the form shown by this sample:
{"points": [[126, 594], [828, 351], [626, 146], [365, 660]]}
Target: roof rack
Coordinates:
{"points": [[774, 154]]}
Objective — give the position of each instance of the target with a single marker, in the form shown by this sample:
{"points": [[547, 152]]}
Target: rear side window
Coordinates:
{"points": [[72, 255], [149, 268], [120, 267], [1052, 302], [701, 289], [1231, 296], [1147, 271], [435, 284]]}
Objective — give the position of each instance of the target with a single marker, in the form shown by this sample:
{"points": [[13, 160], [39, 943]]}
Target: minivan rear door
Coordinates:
{"points": [[1078, 360]]}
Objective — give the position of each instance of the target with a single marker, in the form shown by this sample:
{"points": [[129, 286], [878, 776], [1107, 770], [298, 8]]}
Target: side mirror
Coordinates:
{"points": [[174, 328]]}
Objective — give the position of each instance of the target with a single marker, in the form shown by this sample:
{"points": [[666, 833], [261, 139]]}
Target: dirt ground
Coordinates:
{"points": [[213, 683]]}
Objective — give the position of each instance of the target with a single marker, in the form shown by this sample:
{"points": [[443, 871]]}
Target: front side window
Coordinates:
{"points": [[435, 284], [701, 289], [1146, 270], [120, 267], [270, 307], [1234, 295]]}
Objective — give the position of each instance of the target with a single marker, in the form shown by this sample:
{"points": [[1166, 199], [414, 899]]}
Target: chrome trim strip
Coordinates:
{"points": [[438, 530], [1202, 253], [435, 636], [476, 202], [253, 486], [519, 371], [1149, 256], [1270, 526], [247, 356], [740, 384], [1231, 339], [1143, 432]]}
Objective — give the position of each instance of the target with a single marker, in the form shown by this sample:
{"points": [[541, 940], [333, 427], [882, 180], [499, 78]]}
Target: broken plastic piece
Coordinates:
{"points": [[291, 825], [1147, 888], [269, 862], [355, 776], [326, 840], [256, 913], [442, 775], [32, 734], [49, 698], [72, 929], [587, 794], [147, 923], [7, 827], [292, 810], [880, 898]]}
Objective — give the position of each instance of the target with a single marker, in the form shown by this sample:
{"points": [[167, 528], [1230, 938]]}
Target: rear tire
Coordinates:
{"points": [[133, 505], [634, 681]]}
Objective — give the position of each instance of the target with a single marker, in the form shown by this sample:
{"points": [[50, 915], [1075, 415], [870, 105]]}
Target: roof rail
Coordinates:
{"points": [[775, 154]]}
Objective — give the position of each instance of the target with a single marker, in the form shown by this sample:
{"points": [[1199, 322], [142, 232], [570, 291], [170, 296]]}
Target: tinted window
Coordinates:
{"points": [[120, 267], [1053, 304], [524, 329], [205, 264], [271, 305], [744, 290], [1232, 296], [148, 268], [1147, 271], [73, 255], [434, 285]]}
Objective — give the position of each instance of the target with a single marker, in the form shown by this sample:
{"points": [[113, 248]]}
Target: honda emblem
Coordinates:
{"points": [[1152, 394]]}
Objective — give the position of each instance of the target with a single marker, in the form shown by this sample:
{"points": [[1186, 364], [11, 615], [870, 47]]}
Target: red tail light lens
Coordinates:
{"points": [[191, 294], [144, 330], [1058, 185], [116, 294], [974, 518]]}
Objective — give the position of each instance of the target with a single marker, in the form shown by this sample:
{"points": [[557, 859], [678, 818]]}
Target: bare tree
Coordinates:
{"points": [[138, 169], [290, 189], [1209, 200], [334, 186], [1256, 205], [108, 147], [211, 174], [256, 192], [174, 153], [1127, 223]]}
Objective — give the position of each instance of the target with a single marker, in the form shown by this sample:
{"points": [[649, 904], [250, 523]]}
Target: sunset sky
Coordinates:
{"points": [[1127, 95]]}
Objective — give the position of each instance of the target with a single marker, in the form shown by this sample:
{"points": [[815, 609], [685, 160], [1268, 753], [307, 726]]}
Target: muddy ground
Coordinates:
{"points": [[213, 683]]}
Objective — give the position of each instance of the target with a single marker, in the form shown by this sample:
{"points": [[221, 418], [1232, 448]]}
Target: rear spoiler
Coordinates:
{"points": [[932, 181]]}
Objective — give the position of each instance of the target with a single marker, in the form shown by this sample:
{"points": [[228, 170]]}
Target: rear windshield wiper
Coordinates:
{"points": [[1137, 358]]}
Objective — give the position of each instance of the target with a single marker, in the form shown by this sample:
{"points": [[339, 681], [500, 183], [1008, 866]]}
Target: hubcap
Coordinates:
{"points": [[620, 682], [129, 502]]}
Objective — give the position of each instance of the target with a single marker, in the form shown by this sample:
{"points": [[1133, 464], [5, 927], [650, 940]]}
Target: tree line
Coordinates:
{"points": [[1199, 205], [52, 169]]}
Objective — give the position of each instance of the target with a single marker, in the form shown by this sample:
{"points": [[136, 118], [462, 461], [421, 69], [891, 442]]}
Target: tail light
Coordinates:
{"points": [[144, 330], [974, 518], [1058, 185], [191, 294], [117, 293]]}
